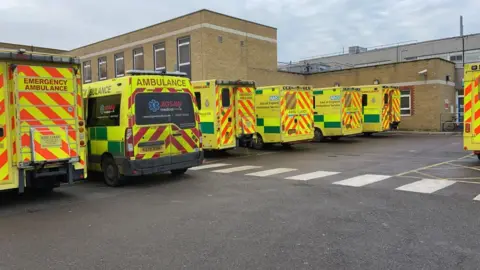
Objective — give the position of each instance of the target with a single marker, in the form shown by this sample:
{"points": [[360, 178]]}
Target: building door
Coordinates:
{"points": [[460, 110]]}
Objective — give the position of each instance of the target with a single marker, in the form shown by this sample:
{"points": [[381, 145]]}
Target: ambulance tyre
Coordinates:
{"points": [[258, 144], [318, 135], [335, 138], [179, 171], [111, 174], [287, 145], [478, 156], [368, 134]]}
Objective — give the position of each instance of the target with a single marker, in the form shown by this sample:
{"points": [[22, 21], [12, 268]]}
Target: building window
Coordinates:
{"points": [[102, 68], [87, 72], [119, 65], [456, 58], [183, 56], [138, 59], [406, 102], [160, 56]]}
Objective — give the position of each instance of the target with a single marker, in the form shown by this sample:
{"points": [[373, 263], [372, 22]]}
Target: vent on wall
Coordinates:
{"points": [[220, 39]]}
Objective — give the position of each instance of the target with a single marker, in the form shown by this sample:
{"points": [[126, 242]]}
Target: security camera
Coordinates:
{"points": [[422, 72]]}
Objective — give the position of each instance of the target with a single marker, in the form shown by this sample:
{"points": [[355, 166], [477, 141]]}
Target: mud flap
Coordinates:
{"points": [[21, 181]]}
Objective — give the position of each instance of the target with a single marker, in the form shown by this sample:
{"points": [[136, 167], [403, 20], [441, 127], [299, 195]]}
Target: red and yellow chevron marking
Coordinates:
{"points": [[352, 114], [467, 108], [386, 113], [305, 113], [50, 113], [4, 167], [227, 118], [185, 143], [395, 96], [476, 105], [246, 111], [288, 121]]}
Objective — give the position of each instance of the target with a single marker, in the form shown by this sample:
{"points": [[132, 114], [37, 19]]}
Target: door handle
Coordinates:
{"points": [[230, 119], [295, 120]]}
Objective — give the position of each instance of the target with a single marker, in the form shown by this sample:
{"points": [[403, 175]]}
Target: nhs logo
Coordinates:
{"points": [[335, 98], [274, 98]]}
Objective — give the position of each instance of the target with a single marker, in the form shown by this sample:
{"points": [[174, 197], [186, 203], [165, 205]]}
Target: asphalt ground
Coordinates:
{"points": [[382, 202]]}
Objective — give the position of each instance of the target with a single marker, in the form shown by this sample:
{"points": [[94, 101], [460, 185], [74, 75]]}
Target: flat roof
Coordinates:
{"points": [[173, 19]]}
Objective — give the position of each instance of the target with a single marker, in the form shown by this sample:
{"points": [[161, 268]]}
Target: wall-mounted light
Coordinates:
{"points": [[376, 81], [337, 84]]}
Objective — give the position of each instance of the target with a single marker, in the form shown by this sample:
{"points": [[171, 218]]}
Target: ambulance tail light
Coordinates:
{"points": [[129, 143], [467, 128], [81, 129]]}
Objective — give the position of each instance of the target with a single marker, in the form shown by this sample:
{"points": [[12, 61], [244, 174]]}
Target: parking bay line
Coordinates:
{"points": [[426, 186], [310, 176], [362, 180], [237, 169], [271, 172], [209, 166]]}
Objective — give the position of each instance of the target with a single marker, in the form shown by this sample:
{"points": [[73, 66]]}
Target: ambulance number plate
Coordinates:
{"points": [[152, 149], [50, 141]]}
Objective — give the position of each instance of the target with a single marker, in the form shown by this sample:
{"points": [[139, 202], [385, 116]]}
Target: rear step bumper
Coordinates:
{"points": [[158, 165]]}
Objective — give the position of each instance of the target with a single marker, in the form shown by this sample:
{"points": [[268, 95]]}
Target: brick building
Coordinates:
{"points": [[209, 45]]}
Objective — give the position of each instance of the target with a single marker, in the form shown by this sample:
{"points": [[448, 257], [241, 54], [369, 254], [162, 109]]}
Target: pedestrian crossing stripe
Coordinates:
{"points": [[425, 186]]}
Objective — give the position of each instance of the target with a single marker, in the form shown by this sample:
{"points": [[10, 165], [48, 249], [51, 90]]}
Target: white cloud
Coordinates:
{"points": [[305, 27]]}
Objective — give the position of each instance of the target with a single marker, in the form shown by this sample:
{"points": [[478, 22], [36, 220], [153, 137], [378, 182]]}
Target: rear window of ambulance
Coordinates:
{"points": [[164, 108]]}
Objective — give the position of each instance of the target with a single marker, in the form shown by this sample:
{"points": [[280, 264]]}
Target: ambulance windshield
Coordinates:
{"points": [[164, 108]]}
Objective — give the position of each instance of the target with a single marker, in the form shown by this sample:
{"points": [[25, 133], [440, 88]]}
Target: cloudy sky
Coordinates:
{"points": [[306, 28]]}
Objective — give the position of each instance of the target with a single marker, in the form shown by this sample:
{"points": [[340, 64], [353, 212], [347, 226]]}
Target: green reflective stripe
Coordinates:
{"points": [[98, 133], [116, 148], [318, 92], [371, 118], [332, 125], [207, 127], [271, 129], [318, 118], [260, 122]]}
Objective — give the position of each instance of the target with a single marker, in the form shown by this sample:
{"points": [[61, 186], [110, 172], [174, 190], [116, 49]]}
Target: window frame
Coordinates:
{"points": [[137, 52], [117, 57], [160, 46], [89, 65], [409, 95], [226, 90], [198, 99], [92, 111], [185, 41], [100, 62]]}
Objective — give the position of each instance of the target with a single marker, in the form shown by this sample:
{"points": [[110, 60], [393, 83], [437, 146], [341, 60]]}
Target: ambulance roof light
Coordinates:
{"points": [[155, 72], [22, 54]]}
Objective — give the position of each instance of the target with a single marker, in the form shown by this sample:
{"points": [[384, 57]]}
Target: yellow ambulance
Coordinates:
{"points": [[337, 112], [227, 113], [284, 115], [141, 124], [42, 133], [471, 131], [381, 108]]}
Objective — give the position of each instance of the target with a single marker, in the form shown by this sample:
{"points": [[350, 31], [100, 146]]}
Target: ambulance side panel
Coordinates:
{"points": [[327, 111], [206, 104], [372, 111], [8, 177], [396, 99], [106, 120], [268, 114]]}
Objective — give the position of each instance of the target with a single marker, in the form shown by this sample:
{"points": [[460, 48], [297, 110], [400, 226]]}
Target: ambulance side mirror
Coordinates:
{"points": [[364, 100]]}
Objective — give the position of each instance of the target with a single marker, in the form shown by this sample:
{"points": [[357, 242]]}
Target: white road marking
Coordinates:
{"points": [[209, 166], [310, 176], [477, 198], [237, 169], [362, 180], [271, 172], [426, 185]]}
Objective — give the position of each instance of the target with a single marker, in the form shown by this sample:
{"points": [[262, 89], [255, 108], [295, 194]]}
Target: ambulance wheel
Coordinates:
{"points": [[111, 174], [334, 138], [318, 135], [287, 145], [259, 144], [478, 156], [368, 134], [178, 171]]}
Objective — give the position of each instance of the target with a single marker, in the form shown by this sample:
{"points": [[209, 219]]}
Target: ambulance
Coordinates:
{"points": [[471, 131], [337, 112], [227, 113], [42, 132], [142, 124], [284, 115], [381, 108]]}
